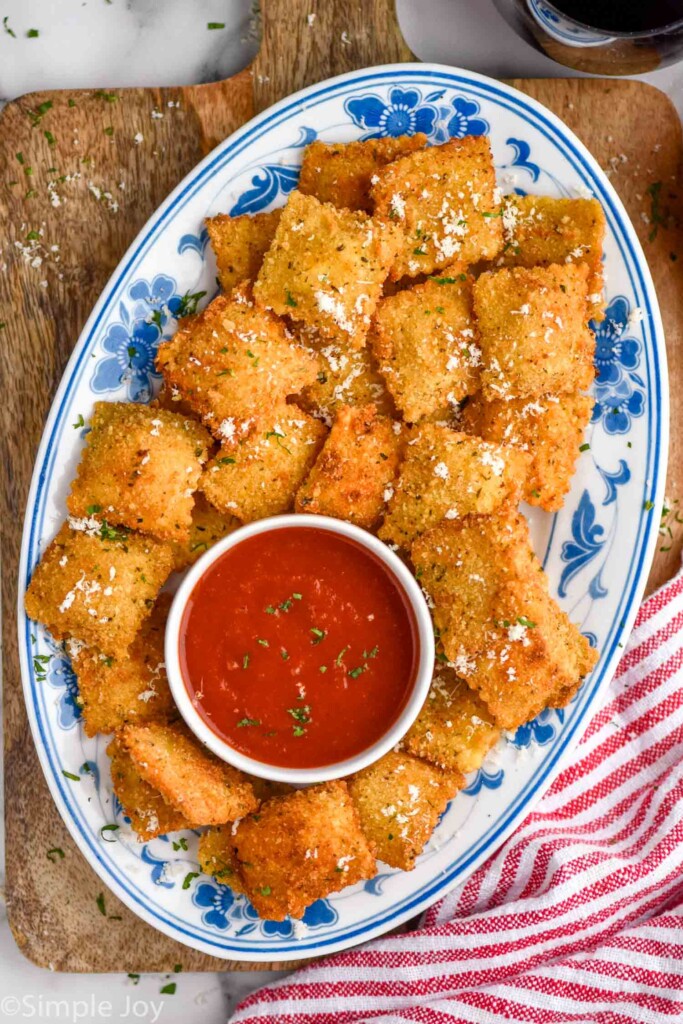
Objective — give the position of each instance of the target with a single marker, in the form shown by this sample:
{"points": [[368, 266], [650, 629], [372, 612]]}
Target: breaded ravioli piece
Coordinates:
{"points": [[426, 344], [300, 848], [240, 244], [455, 729], [204, 789], [208, 526], [540, 230], [500, 629], [400, 800], [326, 267], [341, 173], [259, 475], [347, 376], [217, 856], [352, 477], [149, 813], [140, 468], [445, 201], [233, 358], [98, 584], [550, 429], [448, 474], [132, 685], [533, 331]]}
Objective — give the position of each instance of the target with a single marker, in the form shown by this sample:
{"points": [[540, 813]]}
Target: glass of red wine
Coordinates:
{"points": [[602, 37]]}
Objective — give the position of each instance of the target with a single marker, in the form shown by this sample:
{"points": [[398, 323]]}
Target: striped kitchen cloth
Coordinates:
{"points": [[579, 916]]}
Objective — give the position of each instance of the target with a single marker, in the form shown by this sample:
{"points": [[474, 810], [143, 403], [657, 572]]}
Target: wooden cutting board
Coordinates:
{"points": [[110, 185]]}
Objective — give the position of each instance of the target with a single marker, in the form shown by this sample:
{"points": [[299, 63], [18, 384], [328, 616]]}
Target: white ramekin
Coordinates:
{"points": [[278, 773]]}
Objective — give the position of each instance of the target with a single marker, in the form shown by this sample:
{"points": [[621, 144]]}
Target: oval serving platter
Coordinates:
{"points": [[597, 550]]}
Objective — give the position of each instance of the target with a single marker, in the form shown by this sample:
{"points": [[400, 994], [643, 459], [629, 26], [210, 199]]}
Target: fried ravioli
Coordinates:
{"points": [[342, 173], [233, 358], [259, 475], [149, 814], [445, 201], [200, 786], [353, 474], [131, 687], [454, 729], [326, 267], [208, 526], [139, 469], [217, 856], [426, 345], [300, 848], [533, 331], [240, 244], [447, 474], [550, 429], [97, 584], [400, 800]]}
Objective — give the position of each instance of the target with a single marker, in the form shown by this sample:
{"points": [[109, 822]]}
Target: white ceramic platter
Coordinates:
{"points": [[596, 551]]}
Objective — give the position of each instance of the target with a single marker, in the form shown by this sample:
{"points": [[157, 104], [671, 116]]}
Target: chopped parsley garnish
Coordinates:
{"points": [[80, 422], [323, 669], [135, 978], [318, 635], [32, 33], [70, 775], [284, 654], [355, 672], [245, 661], [227, 460], [188, 878], [449, 280], [55, 854], [419, 252], [648, 506], [215, 24], [298, 730], [278, 435], [168, 990], [247, 721], [584, 447], [92, 509], [6, 27], [100, 904], [108, 828], [262, 642], [108, 532], [188, 304], [300, 714], [20, 157], [289, 298], [109, 130], [108, 97], [371, 654], [269, 610], [51, 140], [181, 844], [338, 659], [39, 113], [523, 621], [265, 890], [297, 597]]}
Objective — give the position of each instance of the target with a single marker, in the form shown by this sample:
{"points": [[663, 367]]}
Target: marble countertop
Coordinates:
{"points": [[89, 43]]}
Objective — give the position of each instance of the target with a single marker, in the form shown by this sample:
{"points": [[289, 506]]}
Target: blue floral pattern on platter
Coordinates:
{"points": [[584, 545], [131, 343]]}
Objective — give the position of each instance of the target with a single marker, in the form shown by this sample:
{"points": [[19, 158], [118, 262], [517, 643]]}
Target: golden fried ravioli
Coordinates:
{"points": [[347, 376], [351, 478], [208, 526], [533, 331], [400, 800], [204, 789], [132, 685], [326, 267], [550, 429], [97, 584], [217, 856], [300, 848], [540, 230], [259, 475], [149, 813], [231, 360], [454, 729], [448, 474], [500, 629], [140, 469], [342, 173], [240, 244], [445, 201], [426, 345]]}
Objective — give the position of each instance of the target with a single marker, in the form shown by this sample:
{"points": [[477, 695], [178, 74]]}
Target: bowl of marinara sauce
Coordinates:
{"points": [[299, 648]]}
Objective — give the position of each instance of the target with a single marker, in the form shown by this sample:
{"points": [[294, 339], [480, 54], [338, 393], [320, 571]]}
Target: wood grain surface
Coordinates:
{"points": [[105, 186]]}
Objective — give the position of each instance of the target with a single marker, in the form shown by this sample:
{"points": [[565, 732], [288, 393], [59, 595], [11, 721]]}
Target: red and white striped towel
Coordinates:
{"points": [[579, 916]]}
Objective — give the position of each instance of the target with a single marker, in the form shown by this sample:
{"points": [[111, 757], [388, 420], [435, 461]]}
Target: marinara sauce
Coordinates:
{"points": [[299, 647]]}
